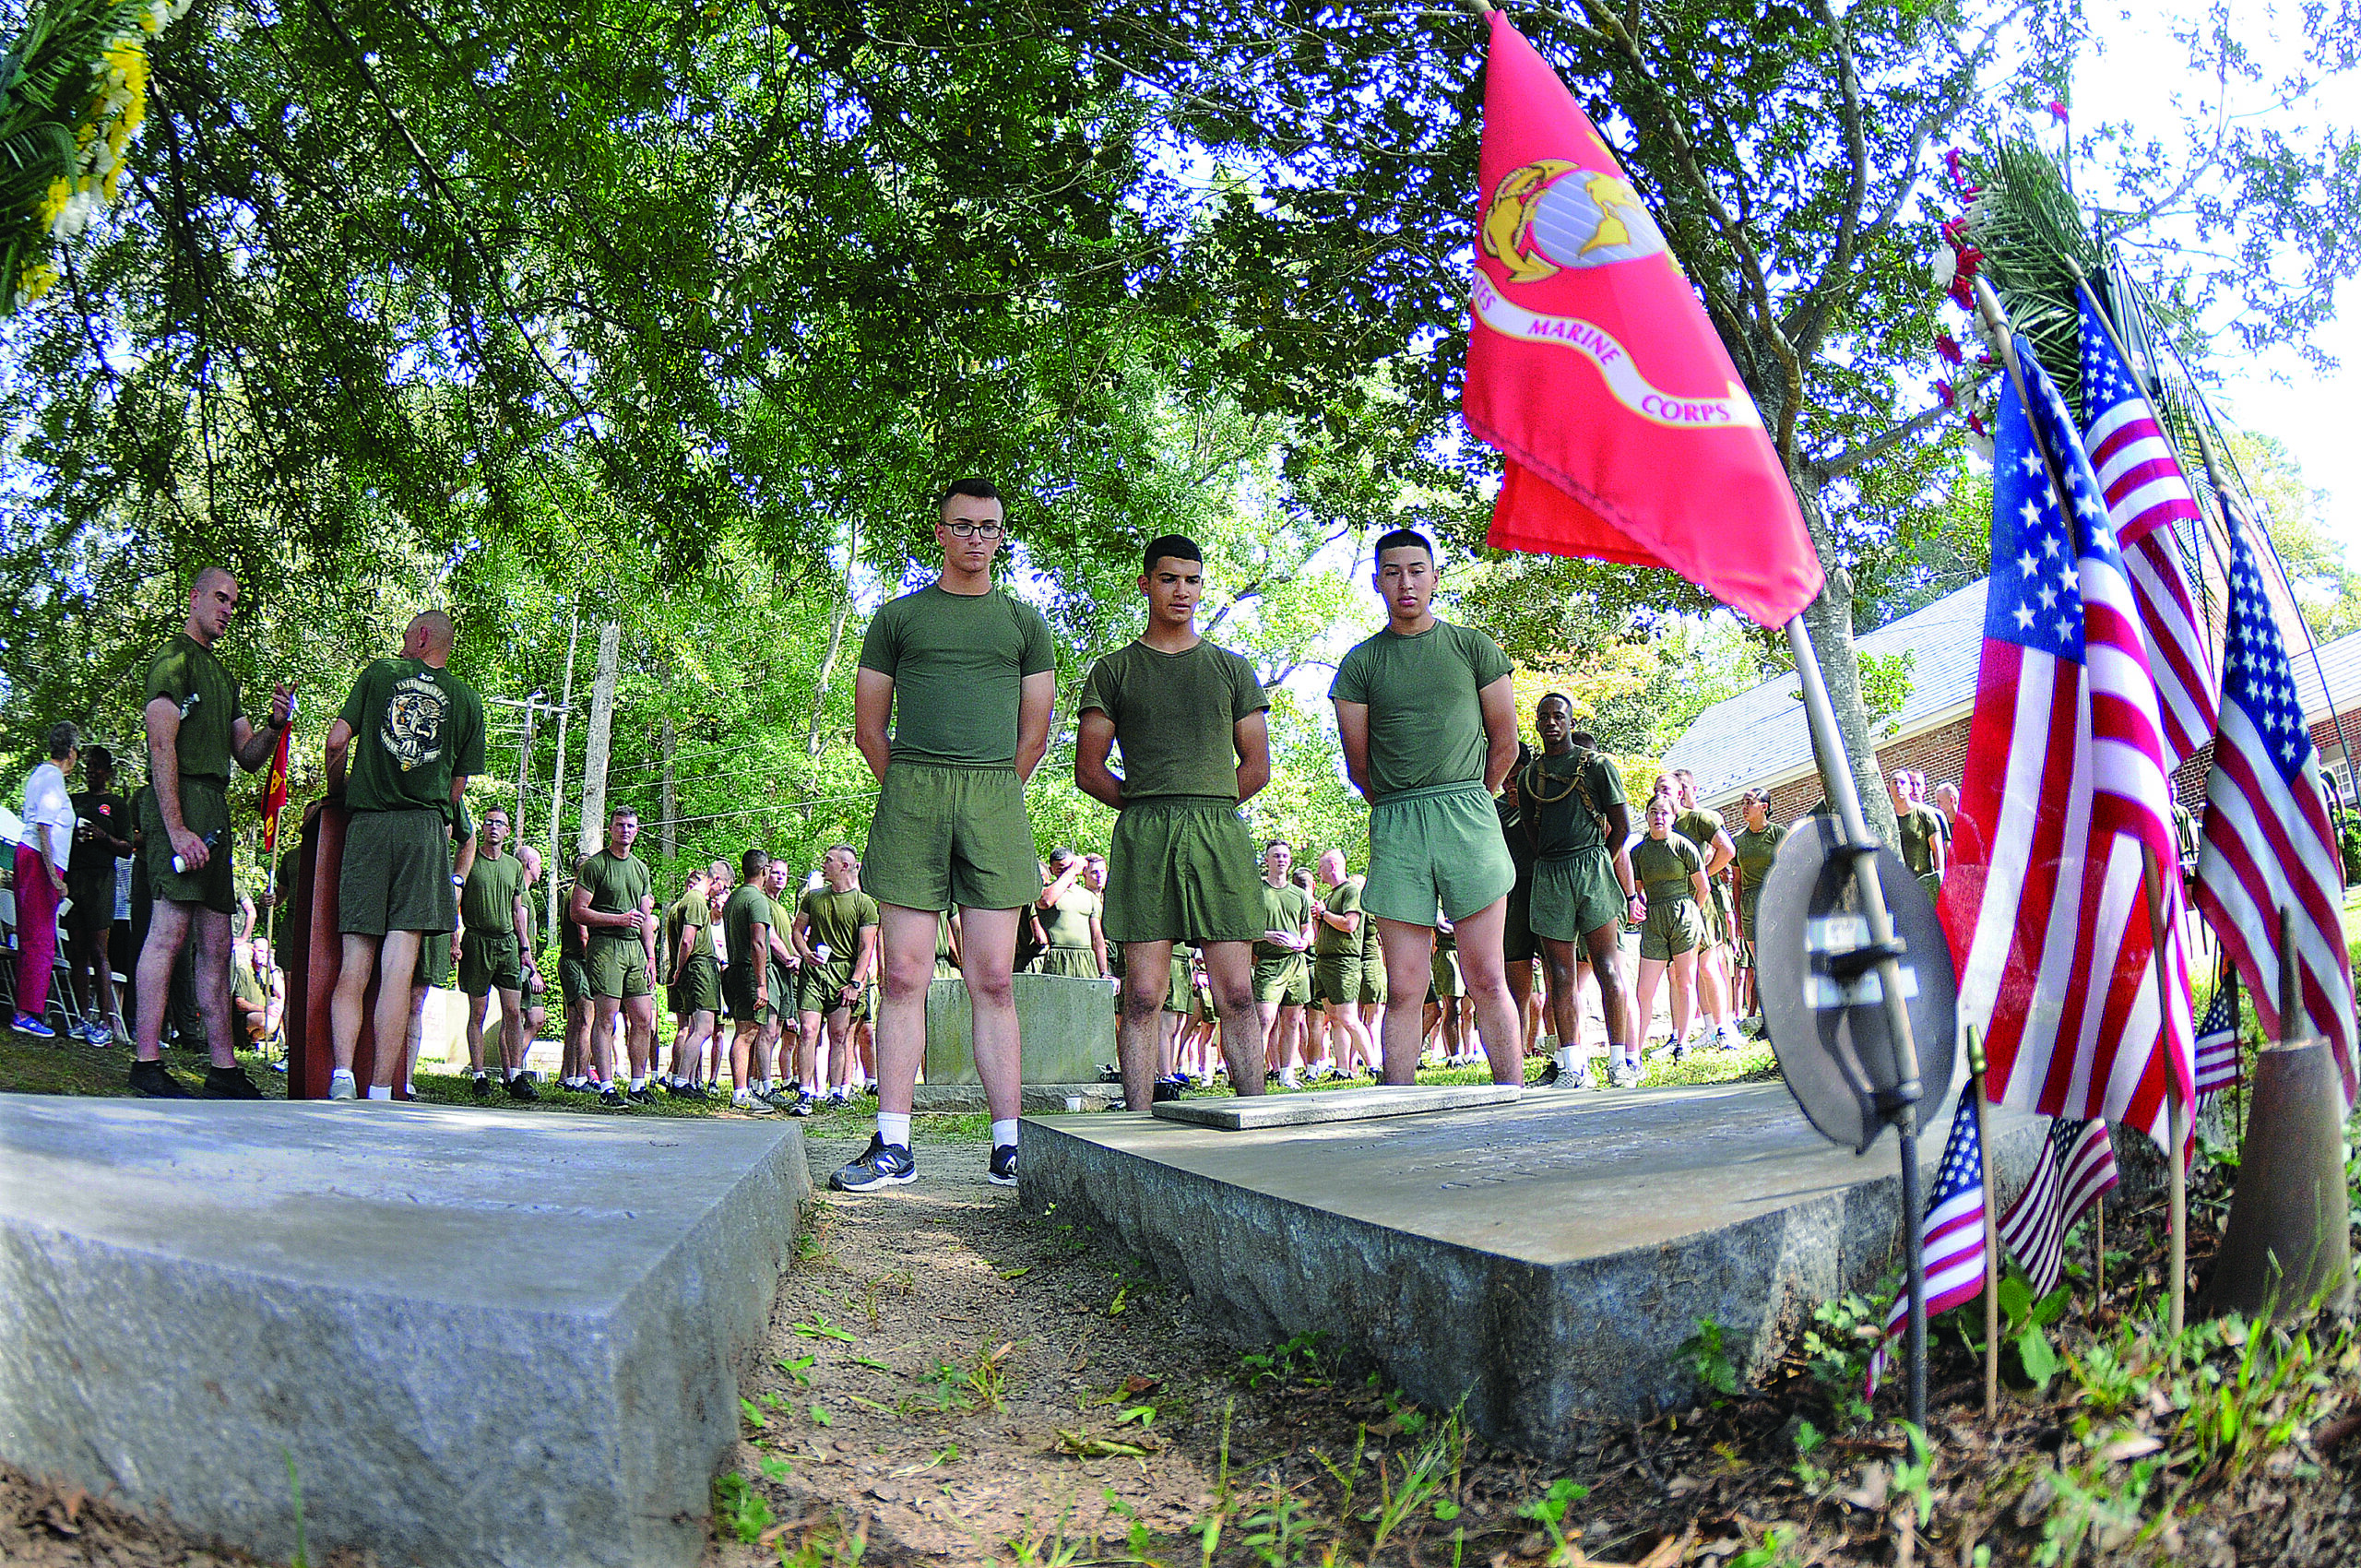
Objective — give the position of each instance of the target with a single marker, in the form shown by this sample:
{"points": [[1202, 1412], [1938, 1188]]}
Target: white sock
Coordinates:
{"points": [[344, 1073], [1004, 1134], [381, 1091], [1287, 1076], [895, 1128], [639, 1082]]}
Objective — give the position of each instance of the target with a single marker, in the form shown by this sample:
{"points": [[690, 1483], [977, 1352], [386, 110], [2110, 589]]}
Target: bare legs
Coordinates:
{"points": [[987, 955], [1409, 966]]}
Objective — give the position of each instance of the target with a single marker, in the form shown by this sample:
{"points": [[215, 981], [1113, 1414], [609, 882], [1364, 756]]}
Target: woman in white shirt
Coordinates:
{"points": [[41, 877]]}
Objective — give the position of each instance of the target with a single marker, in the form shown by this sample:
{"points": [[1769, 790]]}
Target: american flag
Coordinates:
{"points": [[2064, 786], [2150, 503], [2267, 846], [1954, 1245], [2217, 1046], [2077, 1164]]}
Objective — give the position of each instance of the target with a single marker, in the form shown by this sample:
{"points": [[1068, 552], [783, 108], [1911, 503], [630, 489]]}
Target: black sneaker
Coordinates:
{"points": [[1004, 1166], [800, 1106], [610, 1098], [229, 1083], [1111, 1073], [521, 1088], [641, 1096], [1166, 1088], [788, 1097], [149, 1080], [483, 1086], [1548, 1074], [890, 1165]]}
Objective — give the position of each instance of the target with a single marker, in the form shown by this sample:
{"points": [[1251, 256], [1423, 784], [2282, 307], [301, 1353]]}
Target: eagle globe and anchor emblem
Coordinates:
{"points": [[1554, 216]]}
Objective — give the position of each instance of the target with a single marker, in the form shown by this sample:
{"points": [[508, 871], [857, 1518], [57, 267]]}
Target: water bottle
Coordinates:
{"points": [[211, 841]]}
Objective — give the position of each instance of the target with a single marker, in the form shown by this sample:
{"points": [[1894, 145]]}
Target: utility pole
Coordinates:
{"points": [[557, 780], [593, 825], [671, 807]]}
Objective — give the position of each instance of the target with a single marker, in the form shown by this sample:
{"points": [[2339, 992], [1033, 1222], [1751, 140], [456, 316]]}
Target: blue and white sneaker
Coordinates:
{"points": [[888, 1165], [27, 1025], [1004, 1166]]}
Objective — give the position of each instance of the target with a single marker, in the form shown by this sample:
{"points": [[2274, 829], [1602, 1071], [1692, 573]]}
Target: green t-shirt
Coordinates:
{"points": [[1662, 866], [1698, 826], [1176, 716], [838, 919], [247, 985], [1067, 923], [748, 908], [488, 900], [1426, 726], [782, 921], [569, 930], [617, 887], [1345, 898], [1756, 851], [1564, 800], [185, 673], [1920, 830], [1283, 909], [689, 909], [414, 729], [1372, 950], [958, 662]]}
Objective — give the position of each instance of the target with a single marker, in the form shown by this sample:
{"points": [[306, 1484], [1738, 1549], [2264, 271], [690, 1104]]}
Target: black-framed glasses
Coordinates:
{"points": [[965, 529]]}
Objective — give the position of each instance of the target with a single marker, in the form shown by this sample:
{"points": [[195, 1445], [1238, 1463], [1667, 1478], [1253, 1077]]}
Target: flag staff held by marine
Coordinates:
{"points": [[1593, 369]]}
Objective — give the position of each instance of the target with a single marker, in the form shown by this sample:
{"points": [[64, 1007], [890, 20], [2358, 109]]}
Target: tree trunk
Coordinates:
{"points": [[1829, 621], [602, 722], [552, 873], [817, 739], [671, 807]]}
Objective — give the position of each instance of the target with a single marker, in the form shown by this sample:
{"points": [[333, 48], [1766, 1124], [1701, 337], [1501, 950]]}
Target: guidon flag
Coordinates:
{"points": [[1592, 367]]}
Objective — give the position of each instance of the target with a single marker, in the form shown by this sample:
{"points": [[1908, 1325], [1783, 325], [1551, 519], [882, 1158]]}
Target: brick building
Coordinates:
{"points": [[1759, 739]]}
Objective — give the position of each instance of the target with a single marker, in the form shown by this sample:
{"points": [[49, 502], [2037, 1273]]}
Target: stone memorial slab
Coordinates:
{"points": [[1236, 1115], [1066, 1027], [480, 1337], [1543, 1260]]}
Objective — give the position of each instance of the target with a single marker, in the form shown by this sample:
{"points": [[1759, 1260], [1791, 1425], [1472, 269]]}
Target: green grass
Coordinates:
{"points": [[64, 1066]]}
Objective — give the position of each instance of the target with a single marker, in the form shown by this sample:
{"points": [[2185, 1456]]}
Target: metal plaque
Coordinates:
{"points": [[1826, 1011]]}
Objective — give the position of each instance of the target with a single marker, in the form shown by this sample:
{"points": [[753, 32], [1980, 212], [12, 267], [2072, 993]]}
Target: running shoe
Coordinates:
{"points": [[641, 1096], [1002, 1171], [1721, 1039], [482, 1088], [150, 1081], [747, 1105], [786, 1096], [229, 1083], [1165, 1090], [890, 1165], [341, 1087], [31, 1026], [97, 1034], [612, 1099], [1622, 1075], [521, 1088], [801, 1106]]}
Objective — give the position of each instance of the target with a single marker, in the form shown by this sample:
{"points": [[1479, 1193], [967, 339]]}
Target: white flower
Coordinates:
{"points": [[1945, 269]]}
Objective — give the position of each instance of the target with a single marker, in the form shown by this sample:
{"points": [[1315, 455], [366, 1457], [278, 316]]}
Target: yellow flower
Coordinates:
{"points": [[54, 200], [36, 280]]}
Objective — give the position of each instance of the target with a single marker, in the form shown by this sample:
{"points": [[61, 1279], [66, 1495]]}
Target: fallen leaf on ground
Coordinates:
{"points": [[1086, 1446], [2129, 1447]]}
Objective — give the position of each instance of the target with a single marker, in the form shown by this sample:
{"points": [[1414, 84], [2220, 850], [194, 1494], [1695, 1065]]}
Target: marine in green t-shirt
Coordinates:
{"points": [[186, 673], [1757, 851], [745, 928], [614, 895], [839, 916], [1174, 719], [958, 662], [1425, 720], [414, 726]]}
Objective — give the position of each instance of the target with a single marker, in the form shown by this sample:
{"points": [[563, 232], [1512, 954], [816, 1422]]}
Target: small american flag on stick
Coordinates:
{"points": [[2217, 1045], [1954, 1245], [2077, 1164]]}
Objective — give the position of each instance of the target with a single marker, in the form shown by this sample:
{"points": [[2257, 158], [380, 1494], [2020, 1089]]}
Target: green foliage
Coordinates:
{"points": [[1836, 1348], [1303, 1359], [1707, 1359], [2024, 1325], [739, 1508]]}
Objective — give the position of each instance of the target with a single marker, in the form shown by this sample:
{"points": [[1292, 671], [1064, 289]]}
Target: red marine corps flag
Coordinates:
{"points": [[274, 795], [1592, 367]]}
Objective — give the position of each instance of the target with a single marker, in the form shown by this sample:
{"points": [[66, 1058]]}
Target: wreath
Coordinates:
{"points": [[72, 93]]}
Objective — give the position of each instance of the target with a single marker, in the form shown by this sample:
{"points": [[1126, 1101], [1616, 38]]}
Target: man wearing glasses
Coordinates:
{"points": [[966, 676]]}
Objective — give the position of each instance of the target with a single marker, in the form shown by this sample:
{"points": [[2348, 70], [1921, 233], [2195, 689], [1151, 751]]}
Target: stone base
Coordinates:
{"points": [[1238, 1116], [478, 1337], [1541, 1260], [1039, 1099]]}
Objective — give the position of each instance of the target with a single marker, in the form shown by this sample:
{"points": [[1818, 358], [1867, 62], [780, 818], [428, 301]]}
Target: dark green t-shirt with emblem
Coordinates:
{"points": [[1176, 716], [1564, 800], [1283, 909], [414, 729], [1662, 866], [748, 908], [958, 662], [186, 673], [837, 919], [617, 885], [1345, 898], [488, 903]]}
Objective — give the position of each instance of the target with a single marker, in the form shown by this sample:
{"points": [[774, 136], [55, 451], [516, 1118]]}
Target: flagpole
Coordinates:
{"points": [[1899, 1106], [2177, 1104], [1991, 1230]]}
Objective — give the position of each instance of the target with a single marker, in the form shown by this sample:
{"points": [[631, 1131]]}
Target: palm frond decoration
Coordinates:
{"points": [[2029, 227]]}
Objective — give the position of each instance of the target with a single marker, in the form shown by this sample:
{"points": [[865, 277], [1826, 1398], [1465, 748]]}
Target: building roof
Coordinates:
{"points": [[1758, 737]]}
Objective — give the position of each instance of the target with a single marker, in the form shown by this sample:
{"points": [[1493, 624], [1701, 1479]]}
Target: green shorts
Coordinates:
{"points": [[1075, 963], [696, 988], [1182, 996], [1287, 980], [1372, 982], [785, 989], [1674, 926], [1436, 848], [488, 961], [396, 875], [433, 966], [1446, 982], [1575, 896], [1517, 943], [738, 990], [618, 965], [942, 836], [820, 989], [1747, 899], [1337, 977], [1181, 868], [572, 981], [205, 808]]}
